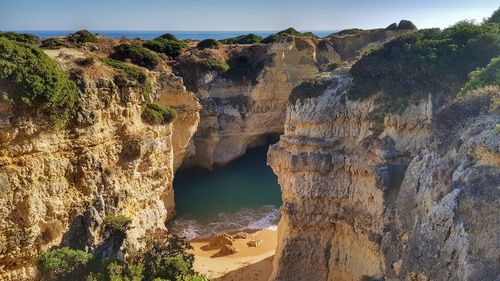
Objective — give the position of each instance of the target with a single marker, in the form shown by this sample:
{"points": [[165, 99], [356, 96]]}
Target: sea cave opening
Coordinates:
{"points": [[243, 195]]}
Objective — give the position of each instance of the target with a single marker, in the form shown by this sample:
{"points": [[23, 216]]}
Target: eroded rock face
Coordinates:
{"points": [[246, 104], [57, 186], [362, 207]]}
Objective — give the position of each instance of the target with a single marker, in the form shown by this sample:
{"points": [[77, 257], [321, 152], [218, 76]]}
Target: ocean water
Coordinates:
{"points": [[183, 35], [242, 195]]}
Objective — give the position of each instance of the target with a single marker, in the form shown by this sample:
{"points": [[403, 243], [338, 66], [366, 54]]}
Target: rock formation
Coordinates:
{"points": [[357, 206], [59, 185], [245, 104]]}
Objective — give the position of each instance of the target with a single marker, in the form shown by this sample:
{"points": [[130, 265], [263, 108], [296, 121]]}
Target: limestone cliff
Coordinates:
{"points": [[357, 206], [242, 106], [57, 186]]}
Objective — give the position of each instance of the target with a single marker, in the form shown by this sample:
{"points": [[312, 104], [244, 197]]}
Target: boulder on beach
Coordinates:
{"points": [[254, 243], [241, 235], [221, 240], [227, 250]]}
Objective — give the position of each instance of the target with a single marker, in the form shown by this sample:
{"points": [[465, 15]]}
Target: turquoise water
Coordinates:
{"points": [[183, 35], [244, 194]]}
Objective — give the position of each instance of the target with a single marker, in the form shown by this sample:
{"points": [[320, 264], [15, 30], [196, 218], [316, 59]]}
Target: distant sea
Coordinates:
{"points": [[183, 35]]}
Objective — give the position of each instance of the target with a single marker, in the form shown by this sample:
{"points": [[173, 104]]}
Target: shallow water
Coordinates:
{"points": [[242, 195]]}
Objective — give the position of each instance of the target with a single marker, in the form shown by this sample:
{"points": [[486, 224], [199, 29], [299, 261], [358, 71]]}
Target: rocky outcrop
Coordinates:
{"points": [[58, 186], [357, 206], [247, 103]]}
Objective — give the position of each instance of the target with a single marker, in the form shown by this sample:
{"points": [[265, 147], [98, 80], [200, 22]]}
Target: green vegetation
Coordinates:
{"points": [[243, 39], [62, 263], [489, 75], [156, 114], [118, 223], [171, 48], [406, 24], [495, 18], [308, 89], [168, 36], [21, 37], [133, 73], [351, 31], [426, 61], [214, 64], [85, 62], [54, 43], [497, 128], [29, 77], [208, 44], [286, 33], [137, 54], [164, 257], [81, 37]]}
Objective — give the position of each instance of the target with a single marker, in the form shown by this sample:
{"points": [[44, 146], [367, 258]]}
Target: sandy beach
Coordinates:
{"points": [[248, 264]]}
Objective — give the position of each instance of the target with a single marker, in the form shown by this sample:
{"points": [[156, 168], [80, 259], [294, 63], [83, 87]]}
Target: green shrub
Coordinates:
{"points": [[168, 36], [308, 89], [88, 61], [119, 271], [406, 24], [208, 44], [243, 39], [286, 33], [21, 37], [489, 75], [495, 17], [133, 73], [118, 223], [156, 114], [59, 263], [171, 48], [392, 26], [351, 31], [426, 61], [137, 54], [30, 77], [214, 64], [81, 37], [54, 43]]}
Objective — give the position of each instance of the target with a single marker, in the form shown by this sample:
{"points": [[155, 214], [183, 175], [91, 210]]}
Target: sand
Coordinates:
{"points": [[249, 264]]}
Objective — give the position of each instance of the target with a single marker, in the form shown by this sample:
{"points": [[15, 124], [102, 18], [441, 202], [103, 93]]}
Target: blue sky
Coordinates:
{"points": [[234, 14]]}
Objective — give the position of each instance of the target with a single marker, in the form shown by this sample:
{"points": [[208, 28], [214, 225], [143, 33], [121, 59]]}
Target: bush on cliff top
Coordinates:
{"points": [[426, 61], [156, 114], [243, 39], [208, 44], [214, 64], [28, 76], [82, 36], [495, 17], [286, 33], [21, 37], [489, 75], [171, 48], [137, 54], [133, 73], [308, 89]]}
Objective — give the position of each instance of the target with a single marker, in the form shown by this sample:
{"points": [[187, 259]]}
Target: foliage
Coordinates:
{"points": [[165, 256], [351, 31], [134, 73], [168, 36], [30, 77], [156, 114], [208, 44], [392, 26], [118, 223], [81, 37], [406, 24], [54, 43], [426, 61], [286, 33], [214, 64], [489, 75], [87, 61], [308, 89], [243, 39], [59, 263], [137, 54], [495, 17], [21, 37], [171, 48]]}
